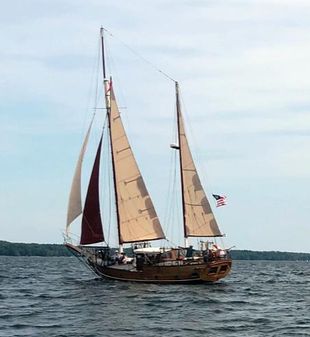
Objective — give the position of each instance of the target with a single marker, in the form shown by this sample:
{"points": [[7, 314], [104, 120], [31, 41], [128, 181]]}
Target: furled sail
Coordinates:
{"points": [[199, 219], [137, 217], [75, 201], [91, 222]]}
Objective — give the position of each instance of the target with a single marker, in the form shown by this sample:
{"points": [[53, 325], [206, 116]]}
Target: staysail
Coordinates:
{"points": [[198, 216], [91, 222], [75, 201], [137, 217]]}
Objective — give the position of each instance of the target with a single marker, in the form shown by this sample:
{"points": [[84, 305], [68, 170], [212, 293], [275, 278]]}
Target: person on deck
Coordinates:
{"points": [[189, 251]]}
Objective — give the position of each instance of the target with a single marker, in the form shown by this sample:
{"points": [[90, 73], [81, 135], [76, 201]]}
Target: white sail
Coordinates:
{"points": [[199, 218], [75, 201], [138, 220]]}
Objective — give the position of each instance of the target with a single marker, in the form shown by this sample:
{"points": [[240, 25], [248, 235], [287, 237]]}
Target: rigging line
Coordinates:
{"points": [[222, 245], [106, 180], [171, 192], [97, 76], [112, 68], [176, 191], [172, 195], [174, 216], [195, 149], [168, 196], [89, 96], [140, 56], [98, 92], [173, 243]]}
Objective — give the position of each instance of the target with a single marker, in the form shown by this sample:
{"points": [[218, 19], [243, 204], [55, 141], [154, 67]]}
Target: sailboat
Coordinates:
{"points": [[137, 222]]}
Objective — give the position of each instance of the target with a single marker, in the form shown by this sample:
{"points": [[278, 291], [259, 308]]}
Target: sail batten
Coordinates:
{"points": [[199, 220], [75, 200], [138, 220], [92, 231]]}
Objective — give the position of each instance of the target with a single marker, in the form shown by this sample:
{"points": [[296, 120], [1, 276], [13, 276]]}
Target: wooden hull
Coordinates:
{"points": [[184, 271]]}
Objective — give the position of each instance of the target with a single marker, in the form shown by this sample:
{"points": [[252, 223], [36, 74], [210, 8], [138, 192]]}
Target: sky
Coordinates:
{"points": [[243, 69]]}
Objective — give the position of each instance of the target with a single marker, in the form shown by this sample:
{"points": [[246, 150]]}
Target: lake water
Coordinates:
{"points": [[60, 297]]}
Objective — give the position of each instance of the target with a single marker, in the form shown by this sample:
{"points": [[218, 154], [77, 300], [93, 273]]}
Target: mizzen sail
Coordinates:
{"points": [[198, 216], [91, 222], [75, 200], [137, 217]]}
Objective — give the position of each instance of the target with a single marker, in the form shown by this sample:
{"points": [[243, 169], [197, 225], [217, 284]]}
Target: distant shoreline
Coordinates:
{"points": [[37, 249]]}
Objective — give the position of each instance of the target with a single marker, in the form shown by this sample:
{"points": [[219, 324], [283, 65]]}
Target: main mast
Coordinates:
{"points": [[180, 159], [107, 90]]}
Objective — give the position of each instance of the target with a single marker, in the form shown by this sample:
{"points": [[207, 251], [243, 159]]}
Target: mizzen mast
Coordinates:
{"points": [[180, 159], [198, 218]]}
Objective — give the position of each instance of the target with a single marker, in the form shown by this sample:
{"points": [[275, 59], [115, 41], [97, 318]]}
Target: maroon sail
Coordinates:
{"points": [[91, 222]]}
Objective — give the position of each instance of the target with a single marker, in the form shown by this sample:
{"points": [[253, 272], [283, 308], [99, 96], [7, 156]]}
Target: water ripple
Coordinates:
{"points": [[59, 297]]}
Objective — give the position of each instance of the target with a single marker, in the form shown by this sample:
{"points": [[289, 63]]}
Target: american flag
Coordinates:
{"points": [[220, 200]]}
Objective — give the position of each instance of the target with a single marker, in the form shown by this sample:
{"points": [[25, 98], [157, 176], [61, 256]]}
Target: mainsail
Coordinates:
{"points": [[137, 217], [75, 201], [91, 222], [198, 217]]}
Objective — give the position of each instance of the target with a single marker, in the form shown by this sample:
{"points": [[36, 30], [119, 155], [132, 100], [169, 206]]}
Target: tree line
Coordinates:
{"points": [[36, 249], [32, 249], [269, 255]]}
